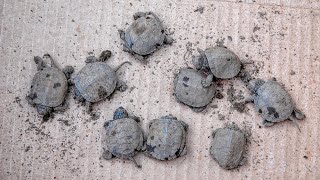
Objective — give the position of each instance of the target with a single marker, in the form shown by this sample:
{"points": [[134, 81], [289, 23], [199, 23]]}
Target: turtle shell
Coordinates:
{"points": [[49, 87], [96, 81], [189, 89], [273, 102], [144, 35], [124, 138], [228, 147], [166, 138], [223, 62]]}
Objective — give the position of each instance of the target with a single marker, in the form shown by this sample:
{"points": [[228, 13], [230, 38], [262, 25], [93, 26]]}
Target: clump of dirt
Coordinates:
{"points": [[236, 98], [199, 9]]}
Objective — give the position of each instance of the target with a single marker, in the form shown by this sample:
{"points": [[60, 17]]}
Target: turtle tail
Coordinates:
{"points": [[126, 62]]}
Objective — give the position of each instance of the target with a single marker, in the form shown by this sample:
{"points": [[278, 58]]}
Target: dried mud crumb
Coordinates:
{"points": [[221, 117], [292, 72], [199, 9]]}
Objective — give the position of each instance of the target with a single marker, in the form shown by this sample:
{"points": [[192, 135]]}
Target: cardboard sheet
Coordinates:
{"points": [[281, 38]]}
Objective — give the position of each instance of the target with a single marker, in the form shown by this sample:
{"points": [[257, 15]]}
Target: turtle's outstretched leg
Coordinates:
{"points": [[105, 55]]}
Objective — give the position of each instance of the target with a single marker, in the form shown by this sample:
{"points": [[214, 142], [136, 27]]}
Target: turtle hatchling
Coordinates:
{"points": [[123, 138], [166, 138], [220, 61], [228, 147], [49, 87], [190, 89], [273, 102], [144, 35], [97, 80]]}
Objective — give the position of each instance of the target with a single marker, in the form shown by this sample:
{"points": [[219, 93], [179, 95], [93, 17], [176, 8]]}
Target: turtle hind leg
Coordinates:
{"points": [[122, 86], [295, 122], [198, 109], [135, 162], [267, 123], [45, 111], [299, 115], [30, 100]]}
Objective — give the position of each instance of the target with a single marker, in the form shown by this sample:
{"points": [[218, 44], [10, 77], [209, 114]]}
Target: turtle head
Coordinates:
{"points": [[255, 84], [200, 61], [120, 113]]}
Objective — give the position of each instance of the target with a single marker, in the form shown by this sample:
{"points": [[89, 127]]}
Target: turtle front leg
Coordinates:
{"points": [[68, 70], [30, 100], [88, 107], [122, 34], [122, 86], [44, 110], [107, 155], [138, 15], [140, 58], [136, 118], [51, 60], [105, 55], [77, 95], [197, 62], [168, 39], [91, 59], [40, 63], [208, 81]]}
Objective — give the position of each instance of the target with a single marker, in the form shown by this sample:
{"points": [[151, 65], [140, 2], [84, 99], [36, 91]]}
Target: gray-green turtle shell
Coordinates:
{"points": [[49, 87], [124, 138], [273, 102], [223, 62], [189, 89], [166, 138], [144, 35], [96, 81], [228, 147]]}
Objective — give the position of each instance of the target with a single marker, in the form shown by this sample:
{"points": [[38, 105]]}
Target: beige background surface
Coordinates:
{"points": [[279, 36]]}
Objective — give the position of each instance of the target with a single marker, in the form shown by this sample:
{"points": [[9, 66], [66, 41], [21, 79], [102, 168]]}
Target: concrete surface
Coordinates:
{"points": [[281, 37]]}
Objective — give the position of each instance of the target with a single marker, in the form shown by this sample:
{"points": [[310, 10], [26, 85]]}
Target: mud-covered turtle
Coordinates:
{"points": [[273, 102], [166, 138], [124, 137], [49, 87], [222, 62], [97, 80], [144, 35], [190, 89], [228, 147]]}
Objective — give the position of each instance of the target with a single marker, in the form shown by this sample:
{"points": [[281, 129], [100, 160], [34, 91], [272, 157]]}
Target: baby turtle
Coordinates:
{"points": [[273, 102], [222, 62], [166, 138], [144, 35], [49, 87], [97, 80], [124, 137], [190, 89], [228, 147]]}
